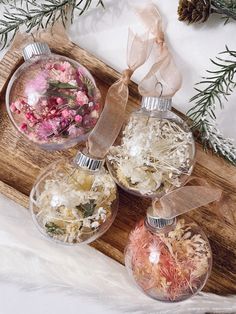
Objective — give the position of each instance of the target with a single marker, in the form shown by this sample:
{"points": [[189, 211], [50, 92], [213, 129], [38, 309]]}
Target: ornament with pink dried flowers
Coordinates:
{"points": [[52, 100], [170, 262]]}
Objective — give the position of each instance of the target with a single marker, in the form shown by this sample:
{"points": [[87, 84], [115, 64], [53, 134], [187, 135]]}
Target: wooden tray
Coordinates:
{"points": [[20, 164]]}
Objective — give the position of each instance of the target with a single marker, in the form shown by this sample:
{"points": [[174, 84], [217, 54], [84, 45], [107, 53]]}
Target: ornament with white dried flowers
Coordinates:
{"points": [[157, 149], [74, 200], [156, 153]]}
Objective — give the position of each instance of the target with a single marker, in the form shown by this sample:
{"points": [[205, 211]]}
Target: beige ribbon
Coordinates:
{"points": [[184, 199], [111, 120], [164, 78]]}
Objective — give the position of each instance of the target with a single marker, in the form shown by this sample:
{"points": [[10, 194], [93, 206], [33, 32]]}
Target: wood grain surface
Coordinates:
{"points": [[20, 163]]}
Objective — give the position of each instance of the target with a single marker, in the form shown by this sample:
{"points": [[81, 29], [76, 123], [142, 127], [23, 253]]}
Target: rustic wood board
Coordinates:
{"points": [[21, 162]]}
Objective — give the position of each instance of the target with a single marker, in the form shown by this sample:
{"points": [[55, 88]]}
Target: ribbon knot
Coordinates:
{"points": [[160, 41], [111, 120], [126, 75], [164, 69]]}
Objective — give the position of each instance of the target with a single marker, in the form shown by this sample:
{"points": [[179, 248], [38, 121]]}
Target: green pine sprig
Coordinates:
{"points": [[217, 87], [226, 8], [34, 15]]}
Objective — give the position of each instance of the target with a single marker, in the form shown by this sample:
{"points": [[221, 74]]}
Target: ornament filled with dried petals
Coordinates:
{"points": [[170, 264], [71, 203], [51, 99], [156, 153]]}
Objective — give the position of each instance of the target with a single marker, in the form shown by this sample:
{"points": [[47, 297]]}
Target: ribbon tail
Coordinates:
{"points": [[106, 131], [111, 120], [184, 199]]}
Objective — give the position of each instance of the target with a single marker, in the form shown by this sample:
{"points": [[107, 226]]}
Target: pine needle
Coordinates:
{"points": [[217, 87], [33, 15]]}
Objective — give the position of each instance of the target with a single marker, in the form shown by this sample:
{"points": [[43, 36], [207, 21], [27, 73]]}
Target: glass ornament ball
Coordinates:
{"points": [[73, 205], [170, 264], [51, 99], [155, 155]]}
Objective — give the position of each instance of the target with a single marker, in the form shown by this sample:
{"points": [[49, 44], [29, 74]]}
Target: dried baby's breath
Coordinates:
{"points": [[154, 155], [73, 208]]}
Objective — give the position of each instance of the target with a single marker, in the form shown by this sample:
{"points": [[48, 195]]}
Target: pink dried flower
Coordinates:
{"points": [[49, 66], [13, 107], [48, 128], [97, 106], [44, 103], [59, 100], [73, 113], [30, 116], [38, 84], [44, 130], [72, 131], [81, 71], [81, 98], [89, 122], [62, 66], [66, 66], [19, 104], [63, 72], [92, 122], [65, 113], [78, 118], [23, 127]]}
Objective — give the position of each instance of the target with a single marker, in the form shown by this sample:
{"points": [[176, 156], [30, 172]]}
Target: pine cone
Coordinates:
{"points": [[193, 11]]}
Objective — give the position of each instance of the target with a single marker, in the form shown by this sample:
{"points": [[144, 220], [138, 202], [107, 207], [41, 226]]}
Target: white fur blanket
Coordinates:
{"points": [[32, 262]]}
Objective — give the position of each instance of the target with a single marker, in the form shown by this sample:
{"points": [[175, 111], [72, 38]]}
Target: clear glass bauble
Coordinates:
{"points": [[170, 265], [155, 155], [72, 205], [53, 101]]}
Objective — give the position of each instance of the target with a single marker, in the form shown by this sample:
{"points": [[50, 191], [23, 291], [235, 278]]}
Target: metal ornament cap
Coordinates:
{"points": [[156, 103], [35, 49], [87, 162], [157, 223]]}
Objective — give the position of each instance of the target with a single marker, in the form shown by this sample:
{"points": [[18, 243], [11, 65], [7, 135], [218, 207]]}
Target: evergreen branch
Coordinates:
{"points": [[34, 15], [227, 8], [218, 86]]}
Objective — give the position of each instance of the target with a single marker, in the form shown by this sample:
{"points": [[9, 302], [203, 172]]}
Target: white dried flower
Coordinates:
{"points": [[73, 82], [95, 224], [71, 205], [153, 154]]}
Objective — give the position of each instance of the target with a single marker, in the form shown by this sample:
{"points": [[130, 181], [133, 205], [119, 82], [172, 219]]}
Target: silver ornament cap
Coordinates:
{"points": [[35, 49], [155, 222], [87, 162], [156, 103]]}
